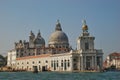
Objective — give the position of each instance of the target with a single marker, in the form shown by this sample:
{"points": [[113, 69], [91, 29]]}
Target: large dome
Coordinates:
{"points": [[58, 37]]}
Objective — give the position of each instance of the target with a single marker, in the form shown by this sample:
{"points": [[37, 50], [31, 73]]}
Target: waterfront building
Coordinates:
{"points": [[113, 59], [58, 55], [11, 60]]}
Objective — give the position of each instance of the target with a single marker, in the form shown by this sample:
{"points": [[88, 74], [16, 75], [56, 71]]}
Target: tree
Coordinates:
{"points": [[3, 60]]}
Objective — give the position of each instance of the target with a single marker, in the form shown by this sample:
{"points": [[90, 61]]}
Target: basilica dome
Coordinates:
{"points": [[58, 36]]}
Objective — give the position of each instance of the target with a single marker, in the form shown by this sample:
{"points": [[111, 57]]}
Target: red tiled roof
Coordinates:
{"points": [[117, 58], [114, 54], [31, 57]]}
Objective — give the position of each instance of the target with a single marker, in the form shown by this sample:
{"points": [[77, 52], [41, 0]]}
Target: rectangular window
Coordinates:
{"points": [[86, 46], [57, 65], [68, 63], [33, 62], [51, 63], [27, 62], [46, 61], [61, 64], [39, 67]]}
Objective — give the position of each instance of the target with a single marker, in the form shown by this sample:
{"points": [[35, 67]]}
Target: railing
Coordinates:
{"points": [[91, 51]]}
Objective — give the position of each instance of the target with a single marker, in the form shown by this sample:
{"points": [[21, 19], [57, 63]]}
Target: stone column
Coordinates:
{"points": [[84, 62], [71, 63], [101, 61], [92, 62], [81, 62], [95, 62], [63, 65], [54, 65]]}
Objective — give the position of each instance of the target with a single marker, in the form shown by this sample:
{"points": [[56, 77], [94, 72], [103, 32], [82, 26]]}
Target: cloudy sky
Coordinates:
{"points": [[19, 17]]}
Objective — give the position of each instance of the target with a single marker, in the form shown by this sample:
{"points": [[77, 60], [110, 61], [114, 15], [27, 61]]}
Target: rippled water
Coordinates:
{"points": [[59, 76]]}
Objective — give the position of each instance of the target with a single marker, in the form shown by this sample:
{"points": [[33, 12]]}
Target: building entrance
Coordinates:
{"points": [[88, 62]]}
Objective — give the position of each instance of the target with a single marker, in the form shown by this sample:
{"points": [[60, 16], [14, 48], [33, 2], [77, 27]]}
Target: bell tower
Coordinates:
{"points": [[31, 39], [85, 41]]}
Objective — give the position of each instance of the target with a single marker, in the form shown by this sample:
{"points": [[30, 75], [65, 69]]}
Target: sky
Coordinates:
{"points": [[19, 17]]}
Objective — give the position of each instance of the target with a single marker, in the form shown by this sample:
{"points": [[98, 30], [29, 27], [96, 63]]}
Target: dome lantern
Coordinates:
{"points": [[58, 26], [39, 34]]}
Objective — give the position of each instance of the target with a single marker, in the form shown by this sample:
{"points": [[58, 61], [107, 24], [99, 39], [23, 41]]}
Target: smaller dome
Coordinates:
{"points": [[39, 41]]}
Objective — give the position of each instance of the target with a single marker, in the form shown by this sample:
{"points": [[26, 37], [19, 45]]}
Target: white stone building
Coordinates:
{"points": [[11, 60], [113, 59], [58, 56]]}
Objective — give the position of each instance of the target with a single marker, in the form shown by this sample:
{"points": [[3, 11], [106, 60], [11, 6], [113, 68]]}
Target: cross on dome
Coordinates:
{"points": [[84, 22]]}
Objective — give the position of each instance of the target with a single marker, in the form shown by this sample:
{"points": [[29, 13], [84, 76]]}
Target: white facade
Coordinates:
{"points": [[58, 62], [11, 60], [58, 56], [113, 60], [90, 58]]}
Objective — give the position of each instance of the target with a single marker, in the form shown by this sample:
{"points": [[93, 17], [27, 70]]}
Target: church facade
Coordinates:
{"points": [[58, 55]]}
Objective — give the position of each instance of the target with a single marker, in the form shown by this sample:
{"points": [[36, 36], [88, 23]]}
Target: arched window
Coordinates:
{"points": [[65, 65], [27, 62], [68, 63], [61, 63], [51, 63], [57, 63], [33, 62], [54, 65], [39, 67]]}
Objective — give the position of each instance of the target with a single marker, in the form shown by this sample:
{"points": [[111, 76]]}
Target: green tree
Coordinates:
{"points": [[3, 60]]}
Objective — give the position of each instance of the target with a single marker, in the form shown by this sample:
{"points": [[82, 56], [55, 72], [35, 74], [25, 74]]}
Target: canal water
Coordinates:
{"points": [[59, 76]]}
